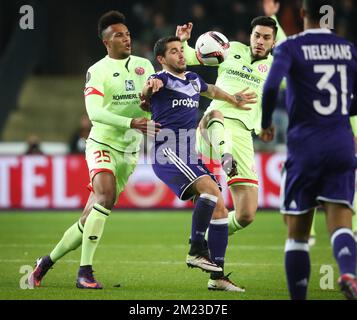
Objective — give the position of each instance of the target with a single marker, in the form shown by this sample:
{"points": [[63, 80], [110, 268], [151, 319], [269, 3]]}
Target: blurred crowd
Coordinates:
{"points": [[233, 19], [154, 20], [151, 20]]}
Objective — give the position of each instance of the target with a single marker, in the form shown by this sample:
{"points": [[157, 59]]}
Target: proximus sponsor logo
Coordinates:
{"points": [[188, 102]]}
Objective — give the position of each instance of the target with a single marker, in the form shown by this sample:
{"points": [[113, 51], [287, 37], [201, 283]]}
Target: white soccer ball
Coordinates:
{"points": [[212, 48]]}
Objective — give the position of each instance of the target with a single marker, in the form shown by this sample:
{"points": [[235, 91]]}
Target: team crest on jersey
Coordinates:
{"points": [[247, 69], [139, 71], [263, 68], [129, 85], [195, 85]]}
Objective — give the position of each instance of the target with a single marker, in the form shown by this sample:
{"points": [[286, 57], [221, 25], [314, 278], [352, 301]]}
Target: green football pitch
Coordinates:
{"points": [[144, 253]]}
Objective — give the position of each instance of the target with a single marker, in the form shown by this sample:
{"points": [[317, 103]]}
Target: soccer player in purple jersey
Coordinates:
{"points": [[174, 95], [321, 71]]}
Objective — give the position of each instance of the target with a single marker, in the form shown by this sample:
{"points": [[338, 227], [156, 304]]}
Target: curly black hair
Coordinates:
{"points": [[109, 18]]}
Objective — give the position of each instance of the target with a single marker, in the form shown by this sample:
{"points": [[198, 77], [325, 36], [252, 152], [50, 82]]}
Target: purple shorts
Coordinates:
{"points": [[179, 171], [303, 189]]}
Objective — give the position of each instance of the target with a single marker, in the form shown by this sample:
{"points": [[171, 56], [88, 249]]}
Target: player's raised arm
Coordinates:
{"points": [[271, 8], [184, 33], [239, 100]]}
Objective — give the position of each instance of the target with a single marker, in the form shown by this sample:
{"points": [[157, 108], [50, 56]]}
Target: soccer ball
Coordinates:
{"points": [[212, 48]]}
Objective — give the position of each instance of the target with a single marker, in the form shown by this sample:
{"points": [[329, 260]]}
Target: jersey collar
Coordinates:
{"points": [[317, 30], [174, 75], [123, 62]]}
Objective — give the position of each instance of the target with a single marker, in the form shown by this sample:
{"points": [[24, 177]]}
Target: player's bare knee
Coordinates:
{"points": [[211, 190], [246, 217], [245, 221], [106, 199]]}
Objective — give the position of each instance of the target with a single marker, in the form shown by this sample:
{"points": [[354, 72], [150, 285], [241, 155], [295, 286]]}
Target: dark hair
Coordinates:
{"points": [[312, 8], [109, 18], [160, 45], [266, 22]]}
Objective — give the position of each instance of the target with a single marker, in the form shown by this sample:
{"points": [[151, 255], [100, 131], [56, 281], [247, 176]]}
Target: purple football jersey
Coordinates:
{"points": [[321, 69], [175, 106]]}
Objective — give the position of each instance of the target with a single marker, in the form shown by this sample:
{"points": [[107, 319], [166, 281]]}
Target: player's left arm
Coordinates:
{"points": [[271, 8], [239, 100], [279, 69]]}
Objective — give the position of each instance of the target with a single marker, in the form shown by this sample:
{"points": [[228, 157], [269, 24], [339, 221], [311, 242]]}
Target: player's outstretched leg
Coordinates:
{"points": [[92, 233], [71, 240], [104, 185], [245, 199]]}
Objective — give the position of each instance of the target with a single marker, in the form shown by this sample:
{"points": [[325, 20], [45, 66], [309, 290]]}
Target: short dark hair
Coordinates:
{"points": [[266, 22], [160, 45], [109, 18], [312, 8]]}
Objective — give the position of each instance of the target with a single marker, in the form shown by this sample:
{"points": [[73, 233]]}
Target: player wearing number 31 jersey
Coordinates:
{"points": [[321, 72]]}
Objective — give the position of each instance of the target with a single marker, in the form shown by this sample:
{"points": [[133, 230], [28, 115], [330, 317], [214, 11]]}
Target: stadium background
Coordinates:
{"points": [[41, 81]]}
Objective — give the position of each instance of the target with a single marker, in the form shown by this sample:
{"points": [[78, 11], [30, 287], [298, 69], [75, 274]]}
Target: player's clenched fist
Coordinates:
{"points": [[153, 85], [184, 31]]}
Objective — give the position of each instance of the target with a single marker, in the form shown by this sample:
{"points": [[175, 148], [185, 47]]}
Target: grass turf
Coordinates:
{"points": [[145, 253]]}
